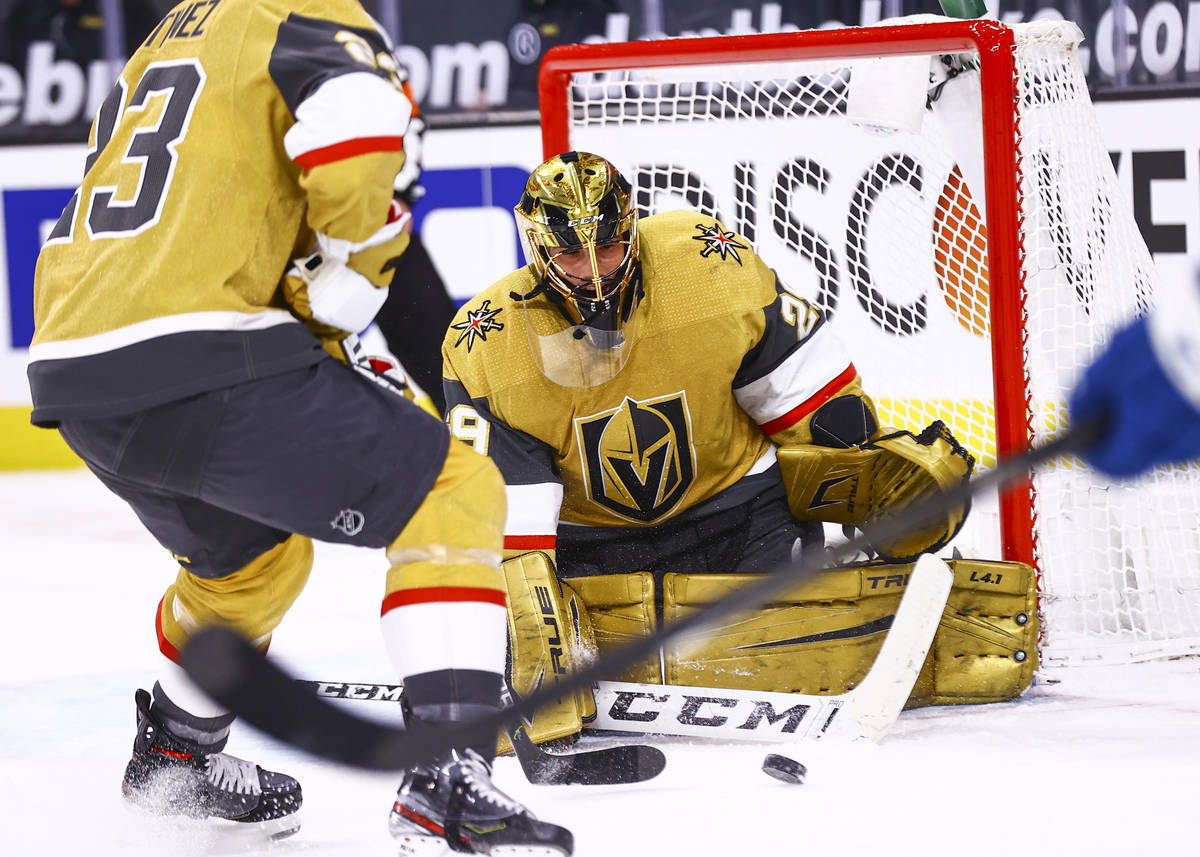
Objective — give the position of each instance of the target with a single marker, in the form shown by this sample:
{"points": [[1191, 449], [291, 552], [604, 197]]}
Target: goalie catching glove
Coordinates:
{"points": [[865, 485]]}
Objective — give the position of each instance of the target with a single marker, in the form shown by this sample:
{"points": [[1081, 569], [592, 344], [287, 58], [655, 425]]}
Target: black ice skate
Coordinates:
{"points": [[169, 775], [453, 805]]}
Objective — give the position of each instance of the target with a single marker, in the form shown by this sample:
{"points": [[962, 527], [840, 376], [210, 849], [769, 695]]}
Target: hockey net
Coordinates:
{"points": [[941, 189]]}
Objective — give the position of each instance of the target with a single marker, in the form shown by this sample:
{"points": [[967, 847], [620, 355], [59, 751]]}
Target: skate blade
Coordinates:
{"points": [[278, 828], [172, 810], [159, 812], [176, 833], [435, 846], [418, 845]]}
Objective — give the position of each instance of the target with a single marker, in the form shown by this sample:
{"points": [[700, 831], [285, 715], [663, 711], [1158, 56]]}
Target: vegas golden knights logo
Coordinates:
{"points": [[638, 458]]}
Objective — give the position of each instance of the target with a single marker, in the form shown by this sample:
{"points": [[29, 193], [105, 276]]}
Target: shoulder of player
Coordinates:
{"points": [[689, 244], [696, 236], [349, 12], [318, 40], [489, 320], [334, 14]]}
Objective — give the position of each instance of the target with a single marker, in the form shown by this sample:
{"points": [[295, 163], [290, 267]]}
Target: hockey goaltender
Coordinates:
{"points": [[668, 419]]}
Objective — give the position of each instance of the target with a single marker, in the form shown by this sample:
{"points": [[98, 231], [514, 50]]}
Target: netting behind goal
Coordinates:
{"points": [[941, 189]]}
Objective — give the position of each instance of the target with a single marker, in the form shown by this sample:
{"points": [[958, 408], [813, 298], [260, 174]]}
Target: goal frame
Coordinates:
{"points": [[995, 46]]}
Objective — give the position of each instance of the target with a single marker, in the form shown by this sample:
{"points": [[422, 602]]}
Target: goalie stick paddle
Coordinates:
{"points": [[234, 673], [630, 763], [607, 766], [877, 700]]}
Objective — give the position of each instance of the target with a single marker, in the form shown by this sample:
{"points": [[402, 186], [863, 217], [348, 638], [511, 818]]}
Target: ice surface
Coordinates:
{"points": [[1105, 761]]}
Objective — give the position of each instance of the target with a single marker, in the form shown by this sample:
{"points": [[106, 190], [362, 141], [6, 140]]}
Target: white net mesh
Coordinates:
{"points": [[1120, 563], [863, 184]]}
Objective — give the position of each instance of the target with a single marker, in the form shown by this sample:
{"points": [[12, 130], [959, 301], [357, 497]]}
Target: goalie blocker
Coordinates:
{"points": [[821, 637]]}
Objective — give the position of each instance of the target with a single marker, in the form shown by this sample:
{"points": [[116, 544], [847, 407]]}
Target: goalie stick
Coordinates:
{"points": [[234, 673], [631, 763], [868, 710]]}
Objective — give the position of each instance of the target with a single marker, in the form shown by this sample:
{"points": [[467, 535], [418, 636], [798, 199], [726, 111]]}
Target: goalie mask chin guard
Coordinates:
{"points": [[578, 229]]}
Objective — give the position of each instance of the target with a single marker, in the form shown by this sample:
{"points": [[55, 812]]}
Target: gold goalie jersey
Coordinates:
{"points": [[725, 360], [238, 130]]}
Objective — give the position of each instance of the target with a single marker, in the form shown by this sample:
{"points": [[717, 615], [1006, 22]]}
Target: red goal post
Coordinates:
{"points": [[801, 117], [992, 42]]}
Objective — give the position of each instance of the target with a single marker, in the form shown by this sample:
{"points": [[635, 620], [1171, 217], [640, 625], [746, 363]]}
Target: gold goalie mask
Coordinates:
{"points": [[578, 229]]}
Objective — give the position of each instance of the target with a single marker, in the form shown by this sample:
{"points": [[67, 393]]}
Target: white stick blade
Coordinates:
{"points": [[876, 703]]}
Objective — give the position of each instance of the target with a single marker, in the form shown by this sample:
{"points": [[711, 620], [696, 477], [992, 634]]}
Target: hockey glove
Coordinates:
{"points": [[322, 286], [378, 370], [1148, 420], [866, 484], [407, 185]]}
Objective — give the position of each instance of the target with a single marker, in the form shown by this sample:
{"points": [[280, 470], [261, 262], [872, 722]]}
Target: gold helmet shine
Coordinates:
{"points": [[578, 227]]}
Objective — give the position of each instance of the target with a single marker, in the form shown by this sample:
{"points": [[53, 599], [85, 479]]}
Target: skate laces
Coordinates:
{"points": [[475, 775], [232, 774]]}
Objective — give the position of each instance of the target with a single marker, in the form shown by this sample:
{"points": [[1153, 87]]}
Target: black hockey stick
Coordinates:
{"points": [[628, 763], [236, 674]]}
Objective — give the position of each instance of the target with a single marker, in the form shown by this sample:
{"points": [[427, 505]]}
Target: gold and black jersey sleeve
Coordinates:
{"points": [[309, 51], [237, 130], [795, 368]]}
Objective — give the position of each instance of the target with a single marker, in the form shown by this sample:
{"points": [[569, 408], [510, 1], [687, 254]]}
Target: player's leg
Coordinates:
{"points": [[445, 575], [322, 453], [253, 598], [232, 570], [361, 466]]}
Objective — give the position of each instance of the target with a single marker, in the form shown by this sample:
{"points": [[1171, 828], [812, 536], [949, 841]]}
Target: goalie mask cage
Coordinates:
{"points": [[941, 189]]}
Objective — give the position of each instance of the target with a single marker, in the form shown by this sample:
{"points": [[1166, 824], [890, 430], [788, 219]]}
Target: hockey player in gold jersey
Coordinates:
{"points": [[634, 380], [234, 226], [661, 407]]}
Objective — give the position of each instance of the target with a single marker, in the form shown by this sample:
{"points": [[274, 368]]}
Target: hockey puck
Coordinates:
{"points": [[784, 769]]}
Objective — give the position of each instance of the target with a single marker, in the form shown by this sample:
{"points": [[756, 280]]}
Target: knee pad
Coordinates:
{"points": [[252, 600]]}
